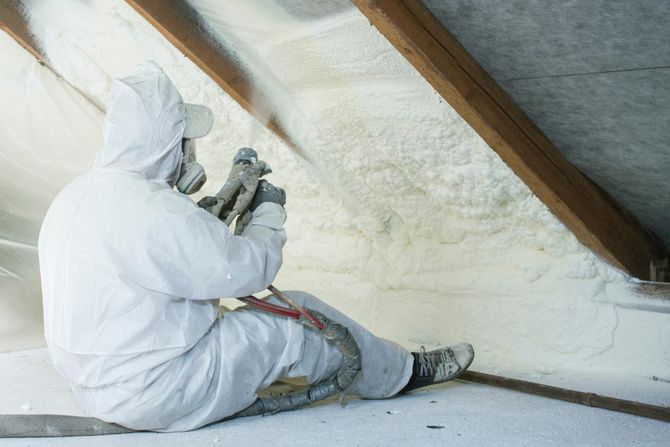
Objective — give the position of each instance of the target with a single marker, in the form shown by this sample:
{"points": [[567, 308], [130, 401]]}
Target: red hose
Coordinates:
{"points": [[285, 311], [294, 313], [279, 294]]}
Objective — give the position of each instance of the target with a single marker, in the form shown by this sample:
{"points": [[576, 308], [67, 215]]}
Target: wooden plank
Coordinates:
{"points": [[595, 218], [14, 22], [185, 28], [577, 397], [657, 290]]}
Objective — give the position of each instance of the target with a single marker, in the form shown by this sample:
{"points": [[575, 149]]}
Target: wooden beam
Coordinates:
{"points": [[185, 28], [595, 218], [577, 397], [657, 290], [13, 21]]}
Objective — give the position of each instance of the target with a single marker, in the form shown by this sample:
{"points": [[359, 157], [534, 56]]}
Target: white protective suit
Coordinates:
{"points": [[132, 272]]}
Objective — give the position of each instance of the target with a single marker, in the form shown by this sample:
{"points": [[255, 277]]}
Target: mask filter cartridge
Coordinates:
{"points": [[192, 175]]}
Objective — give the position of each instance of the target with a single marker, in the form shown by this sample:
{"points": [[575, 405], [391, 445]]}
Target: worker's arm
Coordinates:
{"points": [[204, 260]]}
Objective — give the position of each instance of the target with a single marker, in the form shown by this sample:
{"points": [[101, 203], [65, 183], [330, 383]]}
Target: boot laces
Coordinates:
{"points": [[430, 363]]}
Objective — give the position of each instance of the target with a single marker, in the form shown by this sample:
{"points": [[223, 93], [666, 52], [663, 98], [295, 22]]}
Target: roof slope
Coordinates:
{"points": [[593, 76]]}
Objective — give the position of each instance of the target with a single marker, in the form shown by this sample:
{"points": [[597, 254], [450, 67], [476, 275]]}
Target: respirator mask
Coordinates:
{"points": [[192, 175], [199, 120]]}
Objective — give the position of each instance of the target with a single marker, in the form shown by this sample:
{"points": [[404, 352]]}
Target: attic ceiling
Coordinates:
{"points": [[567, 91], [593, 75]]}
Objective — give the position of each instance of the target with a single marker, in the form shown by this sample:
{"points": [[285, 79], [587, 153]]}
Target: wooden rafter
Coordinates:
{"points": [[13, 22], [595, 218], [184, 28]]}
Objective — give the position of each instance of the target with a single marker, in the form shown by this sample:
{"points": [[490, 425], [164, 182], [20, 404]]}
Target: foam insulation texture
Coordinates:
{"points": [[399, 214]]}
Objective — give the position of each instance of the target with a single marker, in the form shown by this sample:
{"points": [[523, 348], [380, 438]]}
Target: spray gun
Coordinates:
{"points": [[234, 198]]}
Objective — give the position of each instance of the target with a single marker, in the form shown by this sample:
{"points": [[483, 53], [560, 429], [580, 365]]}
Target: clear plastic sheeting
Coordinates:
{"points": [[44, 124]]}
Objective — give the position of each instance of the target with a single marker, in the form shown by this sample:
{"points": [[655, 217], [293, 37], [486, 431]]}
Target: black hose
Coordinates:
{"points": [[53, 425], [336, 384]]}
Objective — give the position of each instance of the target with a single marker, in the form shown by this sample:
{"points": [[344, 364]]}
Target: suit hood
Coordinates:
{"points": [[144, 125]]}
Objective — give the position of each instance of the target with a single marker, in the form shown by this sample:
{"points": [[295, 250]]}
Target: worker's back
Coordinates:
{"points": [[103, 276], [110, 245]]}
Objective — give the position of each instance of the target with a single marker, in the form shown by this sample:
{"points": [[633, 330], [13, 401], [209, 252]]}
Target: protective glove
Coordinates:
{"points": [[236, 195], [267, 192]]}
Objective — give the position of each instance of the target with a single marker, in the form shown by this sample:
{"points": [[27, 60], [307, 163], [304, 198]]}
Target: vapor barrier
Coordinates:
{"points": [[48, 134]]}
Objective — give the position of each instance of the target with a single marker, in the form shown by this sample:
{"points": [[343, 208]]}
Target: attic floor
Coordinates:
{"points": [[454, 414]]}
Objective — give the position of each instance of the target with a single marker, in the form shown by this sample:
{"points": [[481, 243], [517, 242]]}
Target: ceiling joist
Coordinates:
{"points": [[595, 218]]}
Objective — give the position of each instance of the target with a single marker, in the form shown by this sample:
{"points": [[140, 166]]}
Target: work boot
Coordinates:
{"points": [[439, 365]]}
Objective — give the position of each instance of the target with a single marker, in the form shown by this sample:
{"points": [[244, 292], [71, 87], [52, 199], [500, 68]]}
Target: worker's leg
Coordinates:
{"points": [[259, 347], [245, 350], [386, 366]]}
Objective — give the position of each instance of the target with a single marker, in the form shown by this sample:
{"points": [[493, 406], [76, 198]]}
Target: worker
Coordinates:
{"points": [[132, 271]]}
